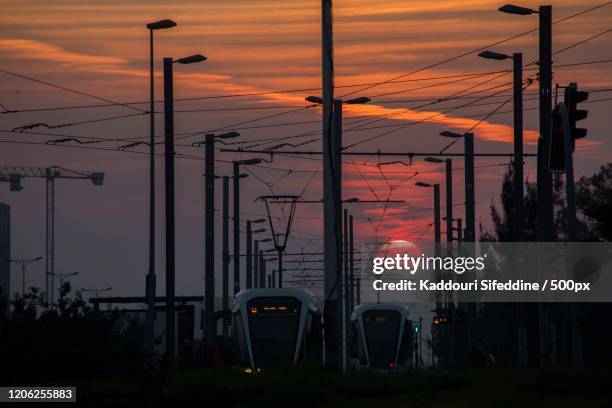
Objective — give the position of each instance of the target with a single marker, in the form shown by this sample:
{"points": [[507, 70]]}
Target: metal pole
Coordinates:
{"points": [[470, 204], [50, 239], [169, 199], [459, 230], [345, 280], [151, 280], [249, 255], [236, 227], [210, 324], [262, 270], [358, 290], [23, 274], [331, 194], [351, 264], [225, 250], [337, 193], [437, 237], [569, 181], [280, 268], [544, 215], [269, 281], [519, 203], [449, 202], [256, 278]]}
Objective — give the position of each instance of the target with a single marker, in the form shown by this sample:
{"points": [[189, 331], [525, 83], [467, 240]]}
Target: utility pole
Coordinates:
{"points": [[249, 255], [337, 177], [262, 270], [519, 203], [225, 249], [351, 264], [449, 202], [544, 182], [210, 325], [331, 194], [256, 278], [437, 239], [346, 289], [169, 200], [236, 166], [470, 204]]}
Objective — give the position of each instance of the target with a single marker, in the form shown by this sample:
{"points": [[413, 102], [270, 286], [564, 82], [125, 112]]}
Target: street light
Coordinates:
{"points": [[236, 168], [517, 163], [437, 232], [512, 9], [169, 197], [355, 101], [493, 55], [544, 210], [192, 59], [24, 263], [468, 150], [433, 160], [151, 280], [454, 135], [61, 276]]}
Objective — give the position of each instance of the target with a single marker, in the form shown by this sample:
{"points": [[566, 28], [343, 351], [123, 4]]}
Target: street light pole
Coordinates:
{"points": [[236, 168], [151, 280], [470, 204], [225, 249], [256, 264], [24, 263], [544, 210], [544, 187], [169, 209], [210, 326], [517, 162], [519, 203], [249, 255], [449, 202], [169, 198]]}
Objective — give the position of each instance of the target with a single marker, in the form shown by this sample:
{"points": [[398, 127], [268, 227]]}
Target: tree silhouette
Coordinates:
{"points": [[594, 200]]}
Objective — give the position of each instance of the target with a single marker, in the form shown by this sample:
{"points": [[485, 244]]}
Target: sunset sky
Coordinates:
{"points": [[252, 46]]}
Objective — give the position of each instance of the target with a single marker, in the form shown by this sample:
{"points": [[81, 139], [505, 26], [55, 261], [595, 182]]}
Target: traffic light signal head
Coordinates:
{"points": [[556, 153], [572, 98]]}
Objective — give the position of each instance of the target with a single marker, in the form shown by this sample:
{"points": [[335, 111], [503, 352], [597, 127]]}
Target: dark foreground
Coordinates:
{"points": [[320, 388]]}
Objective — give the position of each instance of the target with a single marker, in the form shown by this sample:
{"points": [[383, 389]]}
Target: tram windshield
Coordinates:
{"points": [[273, 325], [381, 332]]}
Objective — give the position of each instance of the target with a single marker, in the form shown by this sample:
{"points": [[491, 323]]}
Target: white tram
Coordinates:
{"points": [[381, 337], [274, 328]]}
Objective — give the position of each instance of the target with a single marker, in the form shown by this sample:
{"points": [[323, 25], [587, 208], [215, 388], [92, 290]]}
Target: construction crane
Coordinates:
{"points": [[14, 175]]}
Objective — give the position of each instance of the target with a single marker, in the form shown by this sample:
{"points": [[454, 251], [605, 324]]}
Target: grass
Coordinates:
{"points": [[313, 387]]}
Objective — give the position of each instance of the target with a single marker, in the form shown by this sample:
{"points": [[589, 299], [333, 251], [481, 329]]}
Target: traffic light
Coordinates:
{"points": [[556, 153], [572, 98]]}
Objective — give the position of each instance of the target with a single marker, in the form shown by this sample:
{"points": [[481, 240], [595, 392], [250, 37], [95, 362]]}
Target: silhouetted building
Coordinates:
{"points": [[5, 256]]}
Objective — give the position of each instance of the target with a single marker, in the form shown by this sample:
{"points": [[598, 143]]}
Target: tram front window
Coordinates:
{"points": [[381, 332], [273, 325]]}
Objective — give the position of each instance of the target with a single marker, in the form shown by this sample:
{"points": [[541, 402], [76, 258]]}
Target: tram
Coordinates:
{"points": [[275, 327], [381, 337]]}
